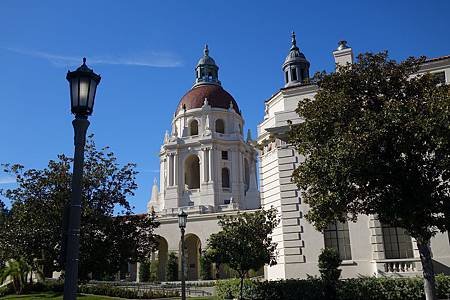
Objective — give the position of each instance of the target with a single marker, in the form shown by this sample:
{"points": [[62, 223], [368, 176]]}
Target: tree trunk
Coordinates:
{"points": [[428, 271], [241, 288]]}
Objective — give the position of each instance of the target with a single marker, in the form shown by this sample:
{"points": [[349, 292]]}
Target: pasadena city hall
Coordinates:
{"points": [[208, 168]]}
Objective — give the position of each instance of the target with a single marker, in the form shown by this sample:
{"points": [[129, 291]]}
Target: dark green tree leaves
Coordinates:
{"points": [[376, 139]]}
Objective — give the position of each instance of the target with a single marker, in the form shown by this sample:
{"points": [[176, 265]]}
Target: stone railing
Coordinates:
{"points": [[401, 266]]}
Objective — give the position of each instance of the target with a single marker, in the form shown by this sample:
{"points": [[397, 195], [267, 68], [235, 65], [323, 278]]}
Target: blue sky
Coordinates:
{"points": [[146, 52]]}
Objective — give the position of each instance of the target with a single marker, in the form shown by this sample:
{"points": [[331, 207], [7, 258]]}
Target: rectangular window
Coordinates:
{"points": [[397, 243], [337, 236], [287, 77], [225, 155], [294, 74], [440, 76]]}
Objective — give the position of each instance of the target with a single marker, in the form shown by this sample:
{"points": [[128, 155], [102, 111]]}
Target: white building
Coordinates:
{"points": [[207, 167], [366, 247]]}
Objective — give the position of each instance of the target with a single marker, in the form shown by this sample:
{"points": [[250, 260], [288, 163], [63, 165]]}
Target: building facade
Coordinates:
{"points": [[366, 247], [207, 168]]}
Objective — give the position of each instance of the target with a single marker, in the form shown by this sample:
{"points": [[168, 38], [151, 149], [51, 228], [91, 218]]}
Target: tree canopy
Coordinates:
{"points": [[34, 226], [376, 141], [245, 241]]}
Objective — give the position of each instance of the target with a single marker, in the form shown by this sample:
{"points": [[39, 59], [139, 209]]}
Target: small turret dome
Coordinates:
{"points": [[295, 66], [207, 88], [206, 59], [206, 71]]}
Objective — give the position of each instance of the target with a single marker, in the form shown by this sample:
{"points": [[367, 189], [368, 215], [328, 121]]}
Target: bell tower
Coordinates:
{"points": [[207, 165]]}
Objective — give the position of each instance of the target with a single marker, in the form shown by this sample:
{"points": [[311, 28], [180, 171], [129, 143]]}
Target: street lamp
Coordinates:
{"points": [[83, 85], [182, 220]]}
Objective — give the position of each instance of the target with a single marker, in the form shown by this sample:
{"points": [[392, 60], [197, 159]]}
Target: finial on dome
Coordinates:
{"points": [[155, 182], [84, 60], [206, 50], [294, 41]]}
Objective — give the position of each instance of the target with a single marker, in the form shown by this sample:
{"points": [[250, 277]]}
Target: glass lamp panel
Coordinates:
{"points": [[92, 89], [182, 219], [84, 89], [74, 90]]}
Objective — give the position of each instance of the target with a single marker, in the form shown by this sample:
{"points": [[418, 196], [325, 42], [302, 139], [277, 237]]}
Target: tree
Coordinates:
{"points": [[34, 227], [244, 242], [17, 271], [376, 141]]}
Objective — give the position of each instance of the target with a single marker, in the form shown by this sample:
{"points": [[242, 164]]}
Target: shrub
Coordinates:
{"points": [[6, 290], [349, 289], [172, 267], [154, 265], [329, 262], [205, 268], [144, 271], [128, 293], [228, 287]]}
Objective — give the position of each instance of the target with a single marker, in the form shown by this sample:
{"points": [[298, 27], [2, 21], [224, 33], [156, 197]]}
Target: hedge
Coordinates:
{"points": [[349, 289], [112, 291], [97, 289]]}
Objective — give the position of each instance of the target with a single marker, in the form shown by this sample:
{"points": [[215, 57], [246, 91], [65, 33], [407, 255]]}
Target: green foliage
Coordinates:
{"points": [[127, 293], [144, 271], [376, 141], [16, 271], [154, 265], [244, 242], [329, 262], [231, 287], [172, 267], [349, 289], [6, 290], [205, 268], [33, 228]]}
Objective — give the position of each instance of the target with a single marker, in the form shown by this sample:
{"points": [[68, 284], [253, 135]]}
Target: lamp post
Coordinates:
{"points": [[83, 85], [182, 219]]}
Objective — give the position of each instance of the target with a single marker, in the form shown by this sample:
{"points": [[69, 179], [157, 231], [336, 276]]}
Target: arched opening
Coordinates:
{"points": [[193, 127], [225, 178], [220, 126], [192, 172], [161, 257], [192, 251], [246, 174]]}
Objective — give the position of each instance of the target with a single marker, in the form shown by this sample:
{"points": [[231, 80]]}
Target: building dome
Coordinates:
{"points": [[295, 66], [206, 60], [217, 97]]}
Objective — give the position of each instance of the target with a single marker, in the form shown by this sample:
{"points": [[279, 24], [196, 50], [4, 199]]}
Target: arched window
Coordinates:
{"points": [[192, 172], [294, 74], [240, 128], [193, 127], [225, 178], [220, 126]]}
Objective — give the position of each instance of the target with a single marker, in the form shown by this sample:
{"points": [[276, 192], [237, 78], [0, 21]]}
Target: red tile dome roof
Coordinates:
{"points": [[216, 95]]}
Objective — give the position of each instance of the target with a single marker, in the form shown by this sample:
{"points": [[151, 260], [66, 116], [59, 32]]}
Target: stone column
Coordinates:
{"points": [[176, 163], [211, 164], [205, 157]]}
